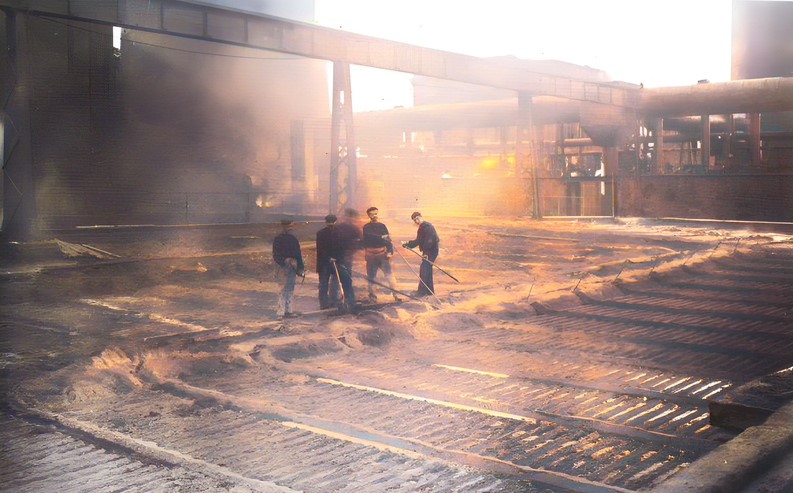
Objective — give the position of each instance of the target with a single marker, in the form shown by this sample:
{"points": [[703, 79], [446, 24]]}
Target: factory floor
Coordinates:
{"points": [[557, 356]]}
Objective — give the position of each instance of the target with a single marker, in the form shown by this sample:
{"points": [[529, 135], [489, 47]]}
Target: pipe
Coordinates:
{"points": [[480, 114], [719, 98]]}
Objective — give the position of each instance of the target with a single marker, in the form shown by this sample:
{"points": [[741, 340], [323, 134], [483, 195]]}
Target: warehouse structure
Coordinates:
{"points": [[206, 114]]}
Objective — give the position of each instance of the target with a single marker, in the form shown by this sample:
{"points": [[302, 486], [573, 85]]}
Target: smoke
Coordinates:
{"points": [[214, 119]]}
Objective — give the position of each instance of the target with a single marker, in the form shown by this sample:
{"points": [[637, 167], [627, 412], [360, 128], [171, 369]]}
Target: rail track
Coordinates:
{"points": [[199, 390]]}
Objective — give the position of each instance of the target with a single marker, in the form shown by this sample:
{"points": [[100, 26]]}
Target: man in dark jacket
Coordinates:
{"points": [[288, 258], [346, 242], [328, 282], [378, 250], [428, 242]]}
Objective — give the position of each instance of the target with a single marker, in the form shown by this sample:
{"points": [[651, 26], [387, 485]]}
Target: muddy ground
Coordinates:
{"points": [[163, 345]]}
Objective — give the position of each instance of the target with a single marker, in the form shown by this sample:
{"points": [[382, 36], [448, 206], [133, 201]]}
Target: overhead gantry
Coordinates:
{"points": [[209, 21], [608, 111]]}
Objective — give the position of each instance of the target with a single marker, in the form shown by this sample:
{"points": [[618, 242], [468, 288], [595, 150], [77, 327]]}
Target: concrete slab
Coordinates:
{"points": [[753, 403], [759, 452]]}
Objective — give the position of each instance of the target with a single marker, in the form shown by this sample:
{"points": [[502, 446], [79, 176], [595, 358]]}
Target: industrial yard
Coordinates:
{"points": [[613, 305], [572, 356]]}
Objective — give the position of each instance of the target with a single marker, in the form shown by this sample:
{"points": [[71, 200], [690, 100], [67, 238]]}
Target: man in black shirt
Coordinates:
{"points": [[328, 282], [428, 242], [379, 250], [346, 241], [288, 258]]}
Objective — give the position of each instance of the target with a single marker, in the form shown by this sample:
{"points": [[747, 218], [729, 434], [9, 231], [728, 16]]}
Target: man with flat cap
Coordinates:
{"points": [[329, 294], [346, 242], [428, 242], [289, 259]]}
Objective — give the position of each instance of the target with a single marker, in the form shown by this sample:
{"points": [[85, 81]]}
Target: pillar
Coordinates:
{"points": [[754, 139], [343, 181], [705, 157], [19, 198]]}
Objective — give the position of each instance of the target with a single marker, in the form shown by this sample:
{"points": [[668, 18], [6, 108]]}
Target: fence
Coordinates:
{"points": [[578, 196]]}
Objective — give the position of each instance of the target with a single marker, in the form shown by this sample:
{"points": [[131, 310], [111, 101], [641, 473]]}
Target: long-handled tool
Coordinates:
{"points": [[433, 264], [391, 289], [418, 276], [411, 268], [338, 280]]}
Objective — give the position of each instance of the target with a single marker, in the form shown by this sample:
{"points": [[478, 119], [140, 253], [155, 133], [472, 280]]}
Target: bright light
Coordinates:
{"points": [[117, 37], [659, 44]]}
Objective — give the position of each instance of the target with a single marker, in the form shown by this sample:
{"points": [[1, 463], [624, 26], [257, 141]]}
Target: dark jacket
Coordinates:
{"points": [[325, 246], [372, 236], [286, 246], [346, 241], [426, 239]]}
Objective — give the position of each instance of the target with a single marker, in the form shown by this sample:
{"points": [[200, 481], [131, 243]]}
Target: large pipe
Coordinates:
{"points": [[719, 98], [693, 124], [481, 114]]}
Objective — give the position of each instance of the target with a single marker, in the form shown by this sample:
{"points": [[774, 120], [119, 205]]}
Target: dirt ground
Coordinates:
{"points": [[136, 335]]}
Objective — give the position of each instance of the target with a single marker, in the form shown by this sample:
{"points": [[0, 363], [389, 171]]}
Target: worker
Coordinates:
{"points": [[329, 292], [428, 242], [289, 259], [346, 242], [378, 252]]}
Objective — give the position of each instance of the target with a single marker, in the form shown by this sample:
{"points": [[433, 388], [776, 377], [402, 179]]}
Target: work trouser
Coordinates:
{"points": [[426, 285], [379, 262], [329, 293], [288, 276], [347, 303]]}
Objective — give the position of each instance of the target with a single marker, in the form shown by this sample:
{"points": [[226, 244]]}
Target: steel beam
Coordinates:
{"points": [[211, 23], [343, 172], [526, 153], [755, 139], [705, 142]]}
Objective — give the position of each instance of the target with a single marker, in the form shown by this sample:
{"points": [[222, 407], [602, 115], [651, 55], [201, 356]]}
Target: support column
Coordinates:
{"points": [[343, 182], [729, 145], [525, 155], [560, 148], [705, 157], [660, 166], [611, 158], [754, 140], [19, 198]]}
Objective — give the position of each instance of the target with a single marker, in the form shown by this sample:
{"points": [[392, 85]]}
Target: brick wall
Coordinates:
{"points": [[748, 197]]}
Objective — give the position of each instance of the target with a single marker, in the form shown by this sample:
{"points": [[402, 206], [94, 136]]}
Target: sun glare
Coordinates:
{"points": [[635, 42]]}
